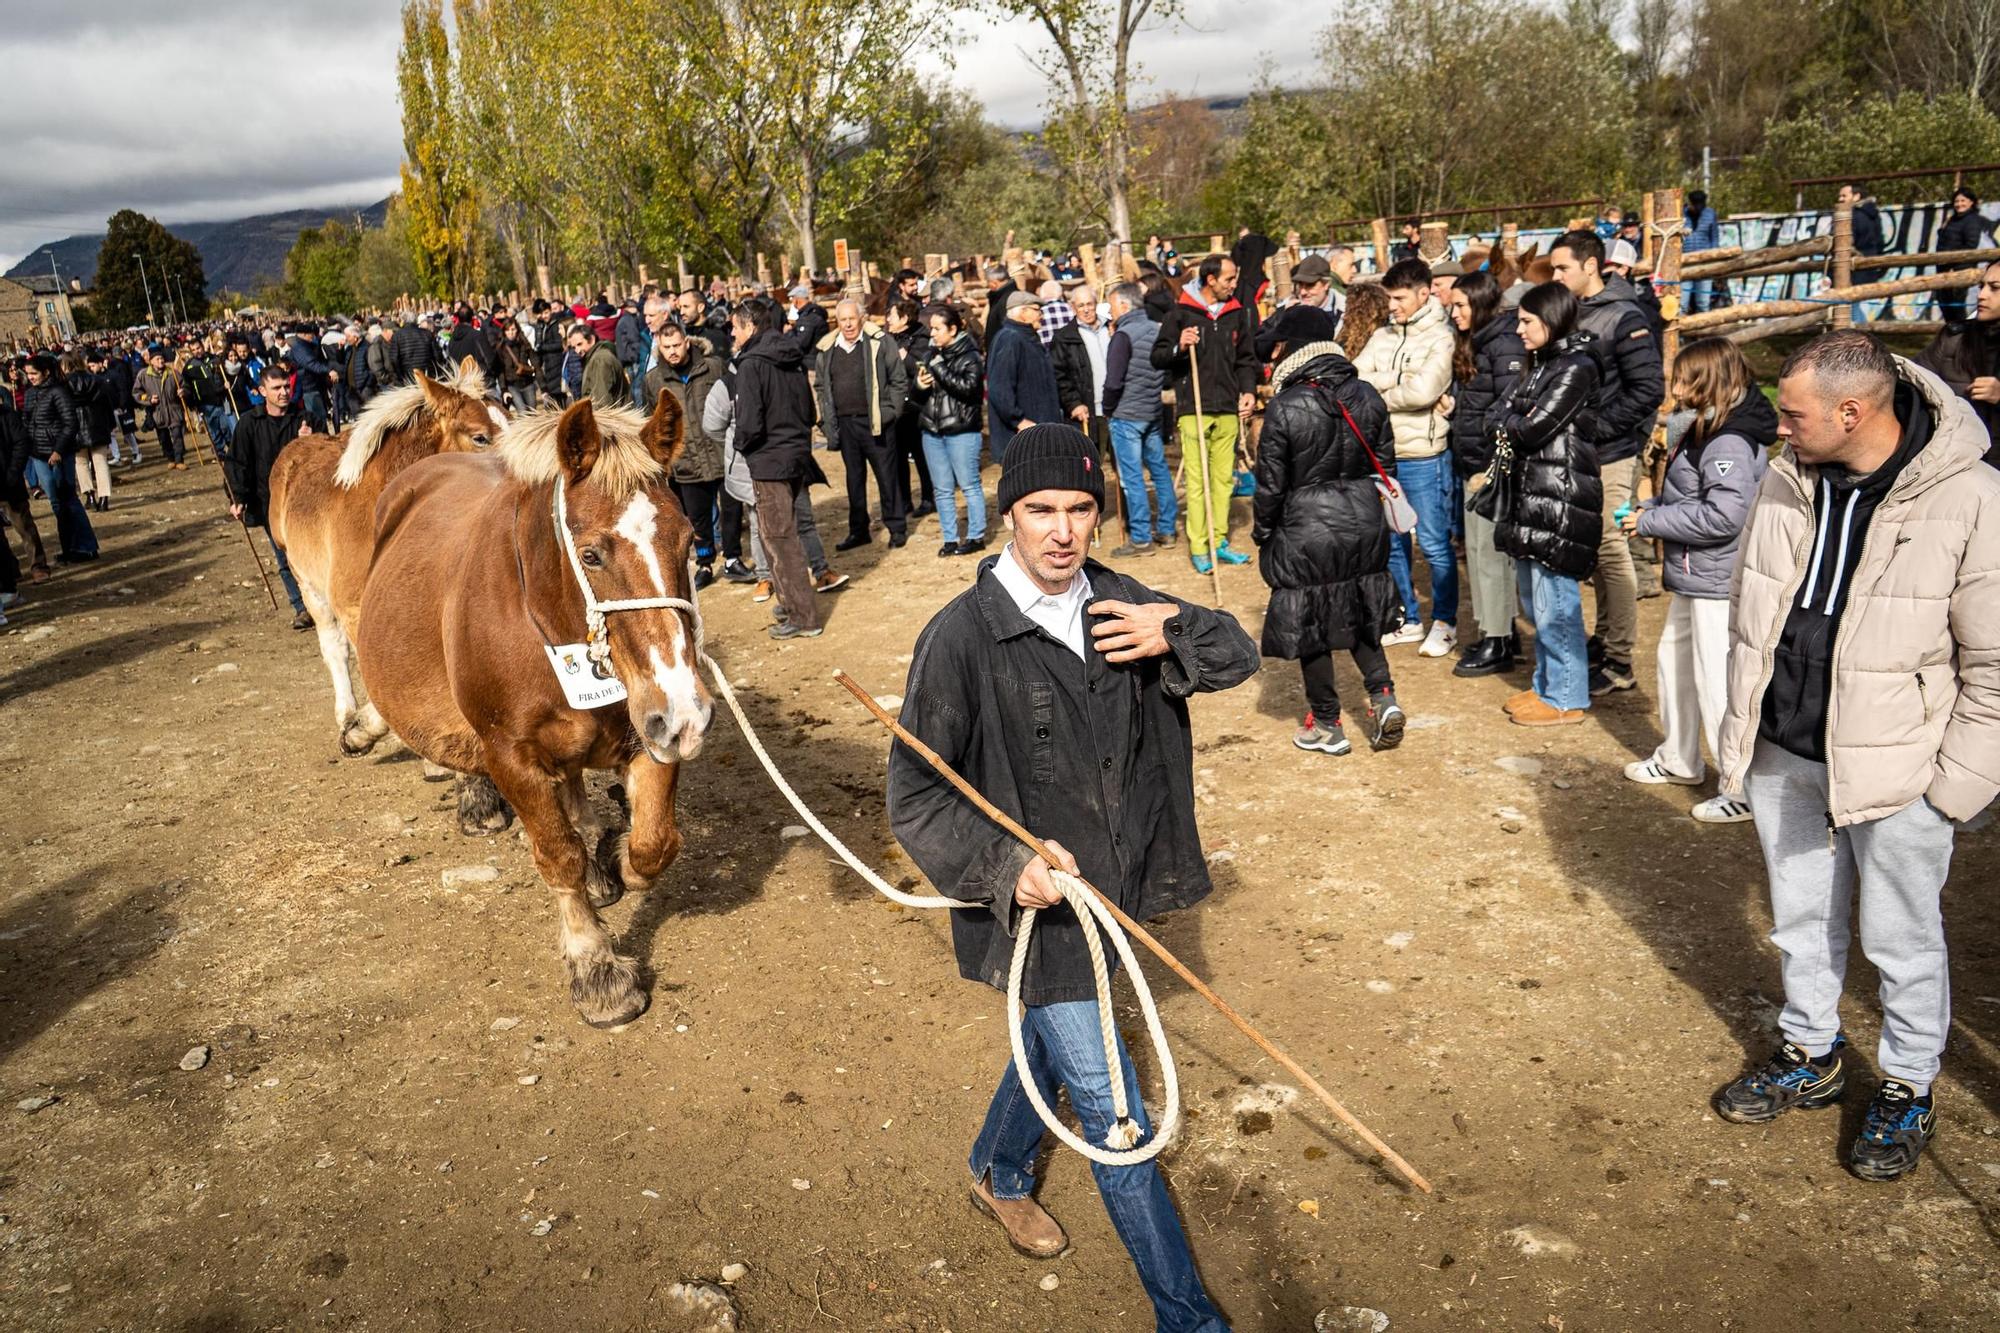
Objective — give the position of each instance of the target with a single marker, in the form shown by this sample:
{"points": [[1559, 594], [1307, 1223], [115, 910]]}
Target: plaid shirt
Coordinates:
{"points": [[1055, 314]]}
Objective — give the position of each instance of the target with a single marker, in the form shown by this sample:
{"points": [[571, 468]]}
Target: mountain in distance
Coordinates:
{"points": [[241, 255]]}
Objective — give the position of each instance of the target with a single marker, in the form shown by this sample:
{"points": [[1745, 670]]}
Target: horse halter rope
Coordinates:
{"points": [[596, 642]]}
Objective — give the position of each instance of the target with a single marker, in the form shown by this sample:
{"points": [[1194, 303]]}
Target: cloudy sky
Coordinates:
{"points": [[225, 108]]}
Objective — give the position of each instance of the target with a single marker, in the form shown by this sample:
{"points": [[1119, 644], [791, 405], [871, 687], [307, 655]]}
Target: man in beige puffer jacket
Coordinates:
{"points": [[1863, 721], [1408, 360]]}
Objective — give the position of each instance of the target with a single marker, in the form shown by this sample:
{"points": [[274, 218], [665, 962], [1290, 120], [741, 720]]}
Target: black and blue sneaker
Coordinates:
{"points": [[1791, 1079], [1893, 1136]]}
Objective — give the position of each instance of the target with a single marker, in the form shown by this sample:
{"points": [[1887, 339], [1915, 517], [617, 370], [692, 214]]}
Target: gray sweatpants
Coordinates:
{"points": [[1900, 864], [1489, 572]]}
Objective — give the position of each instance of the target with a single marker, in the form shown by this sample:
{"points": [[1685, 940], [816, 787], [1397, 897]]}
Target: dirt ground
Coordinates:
{"points": [[1527, 973]]}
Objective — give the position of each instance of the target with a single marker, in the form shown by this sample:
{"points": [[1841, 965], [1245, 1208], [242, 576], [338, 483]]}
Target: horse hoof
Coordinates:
{"points": [[620, 1024], [607, 994], [437, 772], [356, 740], [481, 807]]}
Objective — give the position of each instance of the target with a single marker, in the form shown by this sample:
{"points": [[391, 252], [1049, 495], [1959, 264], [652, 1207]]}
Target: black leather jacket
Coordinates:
{"points": [[1558, 513], [955, 403]]}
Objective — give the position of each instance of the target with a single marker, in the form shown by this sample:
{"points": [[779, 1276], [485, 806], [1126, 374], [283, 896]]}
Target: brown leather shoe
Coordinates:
{"points": [[1538, 713], [1521, 700], [1030, 1229]]}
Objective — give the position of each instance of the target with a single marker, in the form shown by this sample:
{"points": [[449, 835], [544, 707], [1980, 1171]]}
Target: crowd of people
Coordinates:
{"points": [[1508, 431]]}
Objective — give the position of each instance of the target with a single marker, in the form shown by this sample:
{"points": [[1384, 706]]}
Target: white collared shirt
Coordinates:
{"points": [[1061, 614]]}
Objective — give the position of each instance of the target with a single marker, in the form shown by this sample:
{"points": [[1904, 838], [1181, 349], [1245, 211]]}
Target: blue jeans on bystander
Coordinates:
{"points": [[1141, 451], [1432, 489], [1065, 1048], [954, 464], [1562, 646]]}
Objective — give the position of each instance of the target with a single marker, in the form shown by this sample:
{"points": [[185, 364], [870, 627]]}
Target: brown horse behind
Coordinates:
{"points": [[470, 591], [323, 495]]}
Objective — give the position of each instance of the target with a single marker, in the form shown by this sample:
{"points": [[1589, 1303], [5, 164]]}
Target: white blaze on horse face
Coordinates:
{"points": [[639, 524]]}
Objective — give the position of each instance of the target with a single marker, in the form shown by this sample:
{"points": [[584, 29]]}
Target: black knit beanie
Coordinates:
{"points": [[1052, 457]]}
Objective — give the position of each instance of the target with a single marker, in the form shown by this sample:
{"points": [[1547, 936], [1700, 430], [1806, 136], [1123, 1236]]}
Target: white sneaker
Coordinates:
{"points": [[1441, 640], [1411, 632], [1722, 810], [1652, 771]]}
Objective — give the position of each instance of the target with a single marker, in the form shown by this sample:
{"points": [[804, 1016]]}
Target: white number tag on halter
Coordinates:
{"points": [[581, 685]]}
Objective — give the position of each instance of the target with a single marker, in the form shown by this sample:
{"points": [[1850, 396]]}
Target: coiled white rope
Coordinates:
{"points": [[1095, 919]]}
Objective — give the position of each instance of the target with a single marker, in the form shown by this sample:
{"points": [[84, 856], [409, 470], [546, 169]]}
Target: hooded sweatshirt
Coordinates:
{"points": [[1705, 499], [1794, 712]]}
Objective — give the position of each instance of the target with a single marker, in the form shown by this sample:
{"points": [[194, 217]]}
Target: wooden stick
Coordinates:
{"points": [[244, 527], [1135, 930]]}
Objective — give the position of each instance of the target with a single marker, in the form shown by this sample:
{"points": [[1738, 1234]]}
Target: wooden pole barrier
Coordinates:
{"points": [[1981, 257], [1133, 929], [1773, 328], [1843, 261], [1379, 230], [1646, 216], [1704, 267], [1667, 204], [1736, 314]]}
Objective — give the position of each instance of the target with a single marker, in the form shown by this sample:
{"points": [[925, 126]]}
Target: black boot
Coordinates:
{"points": [[1487, 657]]}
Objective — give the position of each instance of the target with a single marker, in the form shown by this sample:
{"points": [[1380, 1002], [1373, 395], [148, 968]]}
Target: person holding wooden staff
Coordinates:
{"points": [[1059, 688], [1207, 343]]}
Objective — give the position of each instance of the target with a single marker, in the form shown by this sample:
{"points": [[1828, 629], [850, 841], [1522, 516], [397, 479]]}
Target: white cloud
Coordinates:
{"points": [[226, 108]]}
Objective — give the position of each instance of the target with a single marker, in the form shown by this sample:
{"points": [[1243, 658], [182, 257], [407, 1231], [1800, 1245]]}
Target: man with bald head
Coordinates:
{"points": [[861, 387], [1863, 722]]}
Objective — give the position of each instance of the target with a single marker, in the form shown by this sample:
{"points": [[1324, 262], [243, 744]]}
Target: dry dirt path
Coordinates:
{"points": [[1526, 972]]}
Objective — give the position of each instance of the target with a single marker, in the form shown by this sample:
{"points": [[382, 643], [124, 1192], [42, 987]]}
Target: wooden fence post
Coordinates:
{"points": [[1379, 230], [542, 281], [1434, 244], [1646, 238], [1843, 261], [1667, 204]]}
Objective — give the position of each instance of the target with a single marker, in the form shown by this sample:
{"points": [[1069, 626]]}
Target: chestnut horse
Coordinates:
{"points": [[485, 565], [323, 494]]}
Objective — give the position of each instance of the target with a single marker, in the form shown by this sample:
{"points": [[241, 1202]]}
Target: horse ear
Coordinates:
{"points": [[468, 368], [577, 442], [433, 393], [665, 430]]}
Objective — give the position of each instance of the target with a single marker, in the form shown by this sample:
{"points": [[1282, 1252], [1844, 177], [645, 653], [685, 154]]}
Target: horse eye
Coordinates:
{"points": [[480, 439], [590, 557]]}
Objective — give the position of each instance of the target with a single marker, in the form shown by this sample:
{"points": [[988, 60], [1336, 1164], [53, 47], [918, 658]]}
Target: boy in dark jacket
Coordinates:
{"points": [[260, 437], [1207, 336], [1059, 689], [774, 419], [1631, 386]]}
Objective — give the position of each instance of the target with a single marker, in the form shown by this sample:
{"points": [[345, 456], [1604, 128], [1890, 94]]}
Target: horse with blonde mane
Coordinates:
{"points": [[516, 600], [323, 494]]}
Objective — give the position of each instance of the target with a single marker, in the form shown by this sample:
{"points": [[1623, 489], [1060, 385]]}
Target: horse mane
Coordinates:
{"points": [[393, 410], [624, 464]]}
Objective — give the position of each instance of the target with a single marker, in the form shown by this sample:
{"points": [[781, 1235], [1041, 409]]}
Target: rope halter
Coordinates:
{"points": [[596, 642]]}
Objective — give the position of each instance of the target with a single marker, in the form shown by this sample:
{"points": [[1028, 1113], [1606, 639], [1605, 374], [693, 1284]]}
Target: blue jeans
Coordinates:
{"points": [[1432, 488], [221, 423], [285, 573], [57, 479], [1141, 451], [954, 464], [1065, 1048], [1562, 647]]}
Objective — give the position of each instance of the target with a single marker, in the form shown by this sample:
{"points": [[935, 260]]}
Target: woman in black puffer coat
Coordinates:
{"points": [[1553, 526], [1323, 542], [55, 433], [1489, 358]]}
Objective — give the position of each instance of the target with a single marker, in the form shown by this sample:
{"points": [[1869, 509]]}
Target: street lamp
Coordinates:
{"points": [[61, 328], [181, 287], [148, 285]]}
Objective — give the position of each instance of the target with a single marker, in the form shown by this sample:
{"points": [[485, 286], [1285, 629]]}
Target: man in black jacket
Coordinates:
{"points": [[774, 419], [1078, 350], [1867, 219], [260, 437], [1059, 689], [1629, 393], [315, 385], [551, 345], [414, 350], [862, 387]]}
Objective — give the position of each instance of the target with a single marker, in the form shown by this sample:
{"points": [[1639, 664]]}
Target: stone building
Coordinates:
{"points": [[35, 311]]}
